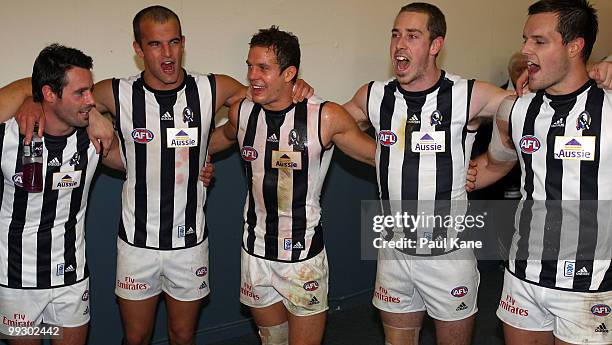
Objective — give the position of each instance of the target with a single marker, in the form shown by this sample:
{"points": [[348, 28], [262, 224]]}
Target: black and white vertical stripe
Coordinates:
{"points": [[407, 175], [163, 203], [282, 211], [550, 235], [42, 238]]}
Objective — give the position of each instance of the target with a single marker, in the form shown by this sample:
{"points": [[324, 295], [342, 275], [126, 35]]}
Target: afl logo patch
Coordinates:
{"points": [[529, 144], [142, 135], [600, 310], [201, 272], [387, 138], [459, 291], [248, 153], [311, 285]]}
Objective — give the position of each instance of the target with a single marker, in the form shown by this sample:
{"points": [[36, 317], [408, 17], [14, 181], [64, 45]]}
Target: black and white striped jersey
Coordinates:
{"points": [[285, 164], [42, 235], [164, 142], [423, 146], [564, 145]]}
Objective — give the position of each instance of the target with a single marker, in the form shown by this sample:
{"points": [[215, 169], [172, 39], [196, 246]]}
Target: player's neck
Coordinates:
{"points": [[53, 124], [283, 102], [576, 77], [425, 81]]}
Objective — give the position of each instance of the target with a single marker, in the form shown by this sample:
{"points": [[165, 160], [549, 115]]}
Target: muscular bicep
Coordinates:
{"points": [[104, 95], [501, 147], [228, 91], [224, 136], [339, 128], [12, 96], [486, 99], [357, 107]]}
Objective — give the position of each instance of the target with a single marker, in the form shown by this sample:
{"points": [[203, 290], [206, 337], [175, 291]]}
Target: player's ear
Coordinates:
{"points": [[289, 73], [138, 49]]}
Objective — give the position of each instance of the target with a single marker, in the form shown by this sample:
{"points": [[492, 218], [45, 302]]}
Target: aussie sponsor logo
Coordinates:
{"points": [[17, 320], [66, 180], [459, 291], [387, 138], [248, 153], [182, 137], [383, 294], [600, 310], [428, 142], [509, 304], [130, 283], [142, 135], [287, 160], [202, 271], [575, 148], [247, 290], [312, 285], [529, 144], [85, 296]]}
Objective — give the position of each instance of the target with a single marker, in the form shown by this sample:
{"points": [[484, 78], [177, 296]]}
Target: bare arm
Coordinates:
{"points": [[12, 96], [113, 159], [486, 99], [224, 137], [339, 127], [501, 155], [105, 100], [357, 107]]}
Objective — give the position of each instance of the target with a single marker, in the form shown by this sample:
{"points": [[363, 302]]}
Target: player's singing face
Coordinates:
{"points": [[269, 86], [161, 49], [72, 109], [547, 56], [412, 52]]}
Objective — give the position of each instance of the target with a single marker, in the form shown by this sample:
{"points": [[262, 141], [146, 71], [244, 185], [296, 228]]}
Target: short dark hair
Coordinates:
{"points": [[285, 45], [158, 14], [51, 66], [436, 22], [575, 18]]}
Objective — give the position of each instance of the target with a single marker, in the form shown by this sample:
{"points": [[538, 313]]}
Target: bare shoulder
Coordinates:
{"points": [[103, 93]]}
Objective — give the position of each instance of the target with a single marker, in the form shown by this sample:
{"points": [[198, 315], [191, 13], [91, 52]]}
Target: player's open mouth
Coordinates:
{"points": [[257, 89], [401, 63], [167, 67], [532, 67]]}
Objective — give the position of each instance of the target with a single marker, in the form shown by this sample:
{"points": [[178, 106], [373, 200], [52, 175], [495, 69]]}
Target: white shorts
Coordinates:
{"points": [[66, 306], [573, 317], [143, 273], [301, 286], [445, 286]]}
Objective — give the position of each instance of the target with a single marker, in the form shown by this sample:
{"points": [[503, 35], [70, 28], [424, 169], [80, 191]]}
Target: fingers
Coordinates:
{"points": [[522, 83], [106, 144]]}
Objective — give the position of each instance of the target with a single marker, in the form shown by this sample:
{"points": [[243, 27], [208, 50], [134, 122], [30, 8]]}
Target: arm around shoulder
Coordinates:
{"points": [[338, 127], [357, 107]]}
